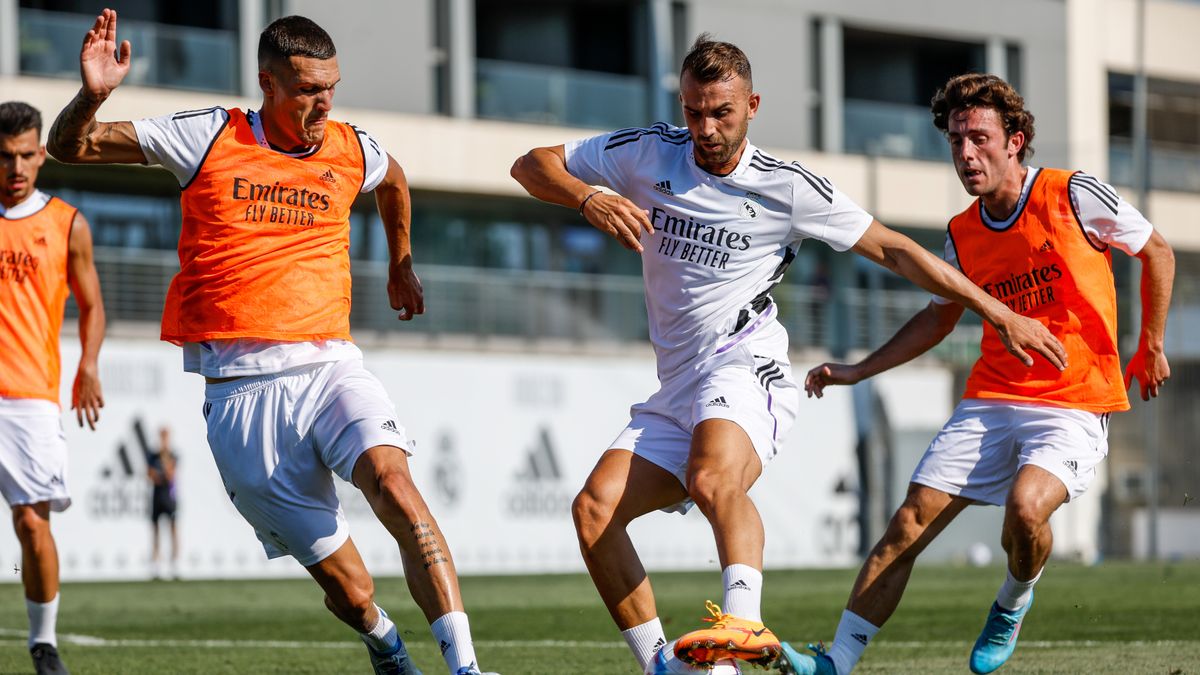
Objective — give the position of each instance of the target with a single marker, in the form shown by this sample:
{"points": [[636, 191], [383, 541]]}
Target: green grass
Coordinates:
{"points": [[1115, 618]]}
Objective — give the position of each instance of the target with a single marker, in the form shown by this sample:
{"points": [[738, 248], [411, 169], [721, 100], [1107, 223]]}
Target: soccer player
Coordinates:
{"points": [[716, 221], [261, 306], [160, 470], [1029, 439], [45, 253]]}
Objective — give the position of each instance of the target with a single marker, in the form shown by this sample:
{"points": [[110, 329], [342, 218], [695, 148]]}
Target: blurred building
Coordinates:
{"points": [[456, 89]]}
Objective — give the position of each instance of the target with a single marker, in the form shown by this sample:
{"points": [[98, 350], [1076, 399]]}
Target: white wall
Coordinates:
{"points": [[480, 421]]}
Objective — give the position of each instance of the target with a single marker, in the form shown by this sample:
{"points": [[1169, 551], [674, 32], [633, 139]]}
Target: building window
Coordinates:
{"points": [[175, 44], [1173, 127], [579, 63], [889, 81]]}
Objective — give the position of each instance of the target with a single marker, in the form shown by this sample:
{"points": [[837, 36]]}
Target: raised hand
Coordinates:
{"points": [[1021, 335], [101, 66], [619, 218]]}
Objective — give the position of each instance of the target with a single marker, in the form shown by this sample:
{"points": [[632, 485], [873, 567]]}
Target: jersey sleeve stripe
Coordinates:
{"points": [[817, 186], [183, 115], [1083, 177], [1100, 195], [666, 138]]}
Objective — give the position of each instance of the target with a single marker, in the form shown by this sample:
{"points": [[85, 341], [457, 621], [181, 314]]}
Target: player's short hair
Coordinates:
{"points": [[977, 90], [294, 36], [710, 61], [17, 117]]}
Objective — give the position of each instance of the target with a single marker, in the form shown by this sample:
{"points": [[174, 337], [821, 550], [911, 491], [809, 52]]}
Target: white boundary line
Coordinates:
{"points": [[94, 641]]}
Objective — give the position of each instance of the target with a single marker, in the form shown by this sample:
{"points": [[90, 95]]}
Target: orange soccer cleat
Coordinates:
{"points": [[728, 638]]}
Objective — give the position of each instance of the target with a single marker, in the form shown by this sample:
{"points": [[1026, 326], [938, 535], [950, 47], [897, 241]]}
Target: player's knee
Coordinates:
{"points": [[1024, 518], [353, 600], [710, 488], [29, 526], [591, 515], [397, 492], [903, 536]]}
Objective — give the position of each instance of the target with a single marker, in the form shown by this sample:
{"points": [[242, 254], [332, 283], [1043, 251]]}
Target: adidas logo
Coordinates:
{"points": [[390, 426], [718, 401], [328, 176], [738, 585], [664, 187], [40, 241], [861, 637], [444, 646], [1072, 465], [1047, 246], [658, 645], [541, 463]]}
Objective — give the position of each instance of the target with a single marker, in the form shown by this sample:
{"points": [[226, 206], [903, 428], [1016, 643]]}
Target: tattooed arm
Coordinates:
{"points": [[76, 137]]}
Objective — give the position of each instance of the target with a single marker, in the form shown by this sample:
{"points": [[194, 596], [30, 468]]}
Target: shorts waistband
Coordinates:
{"points": [[251, 383]]}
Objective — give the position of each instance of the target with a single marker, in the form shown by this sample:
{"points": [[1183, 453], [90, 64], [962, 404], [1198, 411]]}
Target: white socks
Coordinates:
{"points": [[452, 632], [743, 592], [43, 617], [853, 635], [645, 640], [382, 637], [1015, 594]]}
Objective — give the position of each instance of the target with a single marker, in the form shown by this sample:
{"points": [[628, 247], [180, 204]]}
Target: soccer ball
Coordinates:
{"points": [[665, 663]]}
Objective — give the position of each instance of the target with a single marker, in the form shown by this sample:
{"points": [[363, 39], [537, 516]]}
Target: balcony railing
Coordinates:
{"points": [[587, 310], [163, 56], [892, 130], [1173, 169], [549, 95]]}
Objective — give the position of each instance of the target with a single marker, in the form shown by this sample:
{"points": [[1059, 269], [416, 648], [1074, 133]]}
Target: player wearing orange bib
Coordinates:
{"points": [[261, 307], [45, 254], [1027, 438]]}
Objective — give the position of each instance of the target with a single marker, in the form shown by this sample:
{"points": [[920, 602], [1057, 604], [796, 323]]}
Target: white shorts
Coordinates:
{"points": [[983, 445], [276, 438], [33, 454], [755, 391]]}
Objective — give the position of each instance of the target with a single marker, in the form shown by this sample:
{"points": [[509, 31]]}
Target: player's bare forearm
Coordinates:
{"points": [[905, 257], [404, 288], [395, 209], [543, 173], [77, 138], [925, 330], [1158, 277]]}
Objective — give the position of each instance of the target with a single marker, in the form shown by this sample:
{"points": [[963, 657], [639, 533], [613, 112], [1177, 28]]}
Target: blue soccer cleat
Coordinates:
{"points": [[395, 662], [999, 638], [792, 662]]}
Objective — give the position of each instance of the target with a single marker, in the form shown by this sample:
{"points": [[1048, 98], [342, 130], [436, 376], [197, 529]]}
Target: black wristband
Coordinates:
{"points": [[585, 201]]}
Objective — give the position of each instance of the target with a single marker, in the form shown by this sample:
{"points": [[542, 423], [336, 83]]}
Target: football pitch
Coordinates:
{"points": [[1113, 618]]}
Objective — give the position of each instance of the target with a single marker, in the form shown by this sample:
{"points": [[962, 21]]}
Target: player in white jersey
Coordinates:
{"points": [[716, 222], [1026, 439], [266, 199]]}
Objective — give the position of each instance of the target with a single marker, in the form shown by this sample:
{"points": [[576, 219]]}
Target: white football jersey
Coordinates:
{"points": [[720, 242]]}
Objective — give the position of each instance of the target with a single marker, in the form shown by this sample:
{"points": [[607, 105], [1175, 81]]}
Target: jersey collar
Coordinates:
{"points": [[36, 201], [1030, 176], [260, 137]]}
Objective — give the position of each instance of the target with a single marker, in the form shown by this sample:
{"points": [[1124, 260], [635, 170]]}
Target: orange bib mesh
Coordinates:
{"points": [[1044, 266], [264, 249], [33, 292]]}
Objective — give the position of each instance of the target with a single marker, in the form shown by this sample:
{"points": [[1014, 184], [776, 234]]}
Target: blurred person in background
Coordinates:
{"points": [[164, 502], [1027, 439], [45, 254]]}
